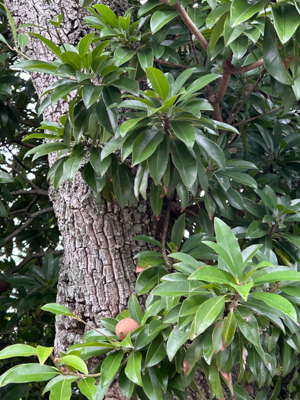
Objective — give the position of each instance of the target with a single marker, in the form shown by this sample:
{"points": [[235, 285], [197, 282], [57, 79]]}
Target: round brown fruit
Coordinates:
{"points": [[125, 326]]}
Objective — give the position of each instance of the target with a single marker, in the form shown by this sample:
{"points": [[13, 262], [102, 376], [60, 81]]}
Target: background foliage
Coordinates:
{"points": [[213, 134]]}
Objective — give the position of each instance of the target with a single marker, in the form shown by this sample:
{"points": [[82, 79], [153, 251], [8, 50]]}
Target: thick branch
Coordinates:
{"points": [[189, 23], [246, 68], [26, 224], [30, 257]]}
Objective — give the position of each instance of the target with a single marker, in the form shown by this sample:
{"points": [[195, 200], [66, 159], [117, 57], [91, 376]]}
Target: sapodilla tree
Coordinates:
{"points": [[218, 66]]}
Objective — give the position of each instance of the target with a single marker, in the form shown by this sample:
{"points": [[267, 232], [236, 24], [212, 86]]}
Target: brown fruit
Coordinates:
{"points": [[125, 326]]}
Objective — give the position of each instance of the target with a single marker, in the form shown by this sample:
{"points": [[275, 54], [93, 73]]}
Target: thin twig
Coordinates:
{"points": [[249, 67], [170, 64], [164, 235], [193, 48], [34, 192], [26, 224], [258, 116], [30, 257], [233, 116]]}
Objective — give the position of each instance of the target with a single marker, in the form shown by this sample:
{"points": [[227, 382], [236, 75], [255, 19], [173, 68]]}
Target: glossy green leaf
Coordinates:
{"points": [[212, 150], [212, 274], [28, 373], [158, 161], [178, 230], [135, 309], [156, 198], [256, 230], [172, 289], [133, 368], [272, 59], [184, 131], [175, 342], [242, 10], [55, 50], [278, 302], [270, 277], [43, 353], [57, 309], [88, 388], [110, 367], [156, 352], [17, 350], [207, 313], [184, 162], [286, 20], [107, 14], [159, 82], [75, 362], [229, 328], [160, 18], [145, 145], [62, 390], [123, 54], [46, 148], [6, 178]]}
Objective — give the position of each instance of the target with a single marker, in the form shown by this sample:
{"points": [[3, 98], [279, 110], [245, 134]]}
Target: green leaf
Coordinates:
{"points": [[12, 24], [278, 302], [158, 81], [171, 289], [207, 313], [178, 231], [216, 14], [3, 211], [57, 309], [129, 125], [85, 43], [286, 20], [175, 342], [145, 56], [90, 94], [214, 380], [56, 380], [272, 59], [28, 373], [197, 85], [44, 149], [256, 230], [55, 50], [156, 352], [240, 177], [161, 18], [227, 240], [279, 276], [133, 368], [17, 350], [156, 198], [135, 309], [148, 239], [145, 145], [184, 131], [111, 146], [130, 85], [75, 362], [107, 14], [62, 390], [158, 161], [242, 10], [6, 178], [122, 55], [43, 353], [151, 386], [184, 162], [240, 393], [123, 185], [23, 40], [217, 31], [88, 388], [110, 367], [212, 274], [212, 150], [229, 328]]}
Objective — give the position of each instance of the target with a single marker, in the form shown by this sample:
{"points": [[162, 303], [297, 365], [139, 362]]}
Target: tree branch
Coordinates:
{"points": [[170, 64], [193, 48], [30, 257], [257, 116], [233, 115], [34, 192], [246, 68], [26, 224], [189, 23]]}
